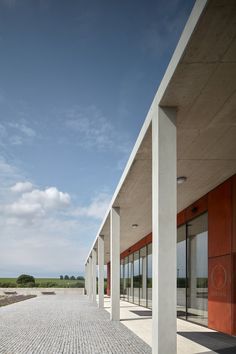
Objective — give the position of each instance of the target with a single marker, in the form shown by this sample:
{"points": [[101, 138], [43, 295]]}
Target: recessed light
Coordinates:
{"points": [[181, 179], [134, 226]]}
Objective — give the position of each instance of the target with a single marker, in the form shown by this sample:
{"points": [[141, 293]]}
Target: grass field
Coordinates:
{"points": [[45, 282]]}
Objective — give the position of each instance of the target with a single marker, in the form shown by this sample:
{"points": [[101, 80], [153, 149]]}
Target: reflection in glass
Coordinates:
{"points": [[192, 273], [126, 278], [143, 276], [122, 279], [181, 272], [197, 270], [192, 270], [136, 278], [130, 279]]}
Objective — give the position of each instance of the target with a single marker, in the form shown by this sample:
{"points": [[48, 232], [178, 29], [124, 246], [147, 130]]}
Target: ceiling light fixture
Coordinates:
{"points": [[134, 226], [181, 179]]}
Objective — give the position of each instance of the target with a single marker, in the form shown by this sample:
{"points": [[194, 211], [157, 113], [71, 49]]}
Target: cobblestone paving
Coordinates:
{"points": [[68, 324]]}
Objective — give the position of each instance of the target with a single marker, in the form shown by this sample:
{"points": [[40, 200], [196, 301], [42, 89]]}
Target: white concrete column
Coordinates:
{"points": [[86, 278], [90, 278], [101, 271], [115, 263], [94, 276], [164, 231]]}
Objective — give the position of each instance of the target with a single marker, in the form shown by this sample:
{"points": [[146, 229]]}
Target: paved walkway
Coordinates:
{"points": [[191, 338], [68, 324]]}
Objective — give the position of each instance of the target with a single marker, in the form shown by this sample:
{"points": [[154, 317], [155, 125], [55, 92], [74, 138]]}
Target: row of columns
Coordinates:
{"points": [[91, 268], [91, 274], [164, 211]]}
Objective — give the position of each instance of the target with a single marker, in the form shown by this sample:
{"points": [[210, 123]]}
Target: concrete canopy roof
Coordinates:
{"points": [[200, 82]]}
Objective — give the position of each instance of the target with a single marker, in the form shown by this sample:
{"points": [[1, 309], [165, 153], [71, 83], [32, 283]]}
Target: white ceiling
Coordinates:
{"points": [[203, 88]]}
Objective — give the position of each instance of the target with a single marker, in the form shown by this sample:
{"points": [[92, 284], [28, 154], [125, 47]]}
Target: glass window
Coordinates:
{"points": [[197, 270], [143, 276], [181, 272], [130, 279], [122, 279], [192, 270], [136, 278], [149, 275], [126, 278]]}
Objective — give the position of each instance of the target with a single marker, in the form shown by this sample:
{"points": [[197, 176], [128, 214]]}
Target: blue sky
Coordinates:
{"points": [[77, 79]]}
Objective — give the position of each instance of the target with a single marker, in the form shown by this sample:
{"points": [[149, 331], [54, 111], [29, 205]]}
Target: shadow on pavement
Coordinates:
{"points": [[218, 342]]}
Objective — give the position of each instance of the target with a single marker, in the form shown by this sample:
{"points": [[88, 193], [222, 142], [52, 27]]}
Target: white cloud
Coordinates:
{"points": [[22, 209], [5, 168], [8, 174], [92, 129], [23, 128], [15, 140], [49, 198], [16, 133], [61, 244], [21, 187], [96, 209], [34, 226], [3, 131], [36, 203]]}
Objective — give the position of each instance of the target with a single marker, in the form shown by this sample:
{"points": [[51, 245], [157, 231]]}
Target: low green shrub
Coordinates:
{"points": [[181, 282], [8, 285], [77, 285], [47, 284], [25, 279]]}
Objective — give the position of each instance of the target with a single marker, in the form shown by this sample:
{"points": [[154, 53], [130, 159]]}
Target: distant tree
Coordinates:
{"points": [[72, 277], [80, 277], [66, 277], [25, 278], [61, 277]]}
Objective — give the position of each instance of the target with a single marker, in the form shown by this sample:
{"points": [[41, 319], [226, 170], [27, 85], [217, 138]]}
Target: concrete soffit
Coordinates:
{"points": [[190, 26]]}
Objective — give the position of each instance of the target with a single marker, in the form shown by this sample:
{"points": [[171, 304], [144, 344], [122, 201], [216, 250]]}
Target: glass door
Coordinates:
{"points": [[192, 270], [197, 270], [136, 278], [143, 276]]}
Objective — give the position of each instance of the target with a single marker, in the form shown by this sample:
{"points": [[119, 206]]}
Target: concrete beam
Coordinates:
{"points": [[115, 263], [164, 209]]}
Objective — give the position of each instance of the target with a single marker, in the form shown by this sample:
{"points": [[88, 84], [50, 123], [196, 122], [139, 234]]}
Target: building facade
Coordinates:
{"points": [[183, 164], [206, 260]]}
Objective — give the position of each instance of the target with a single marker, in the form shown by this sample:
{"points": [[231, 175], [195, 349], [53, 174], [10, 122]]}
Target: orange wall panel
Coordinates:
{"points": [[220, 220], [137, 246], [197, 208], [181, 218], [219, 294], [233, 278]]}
